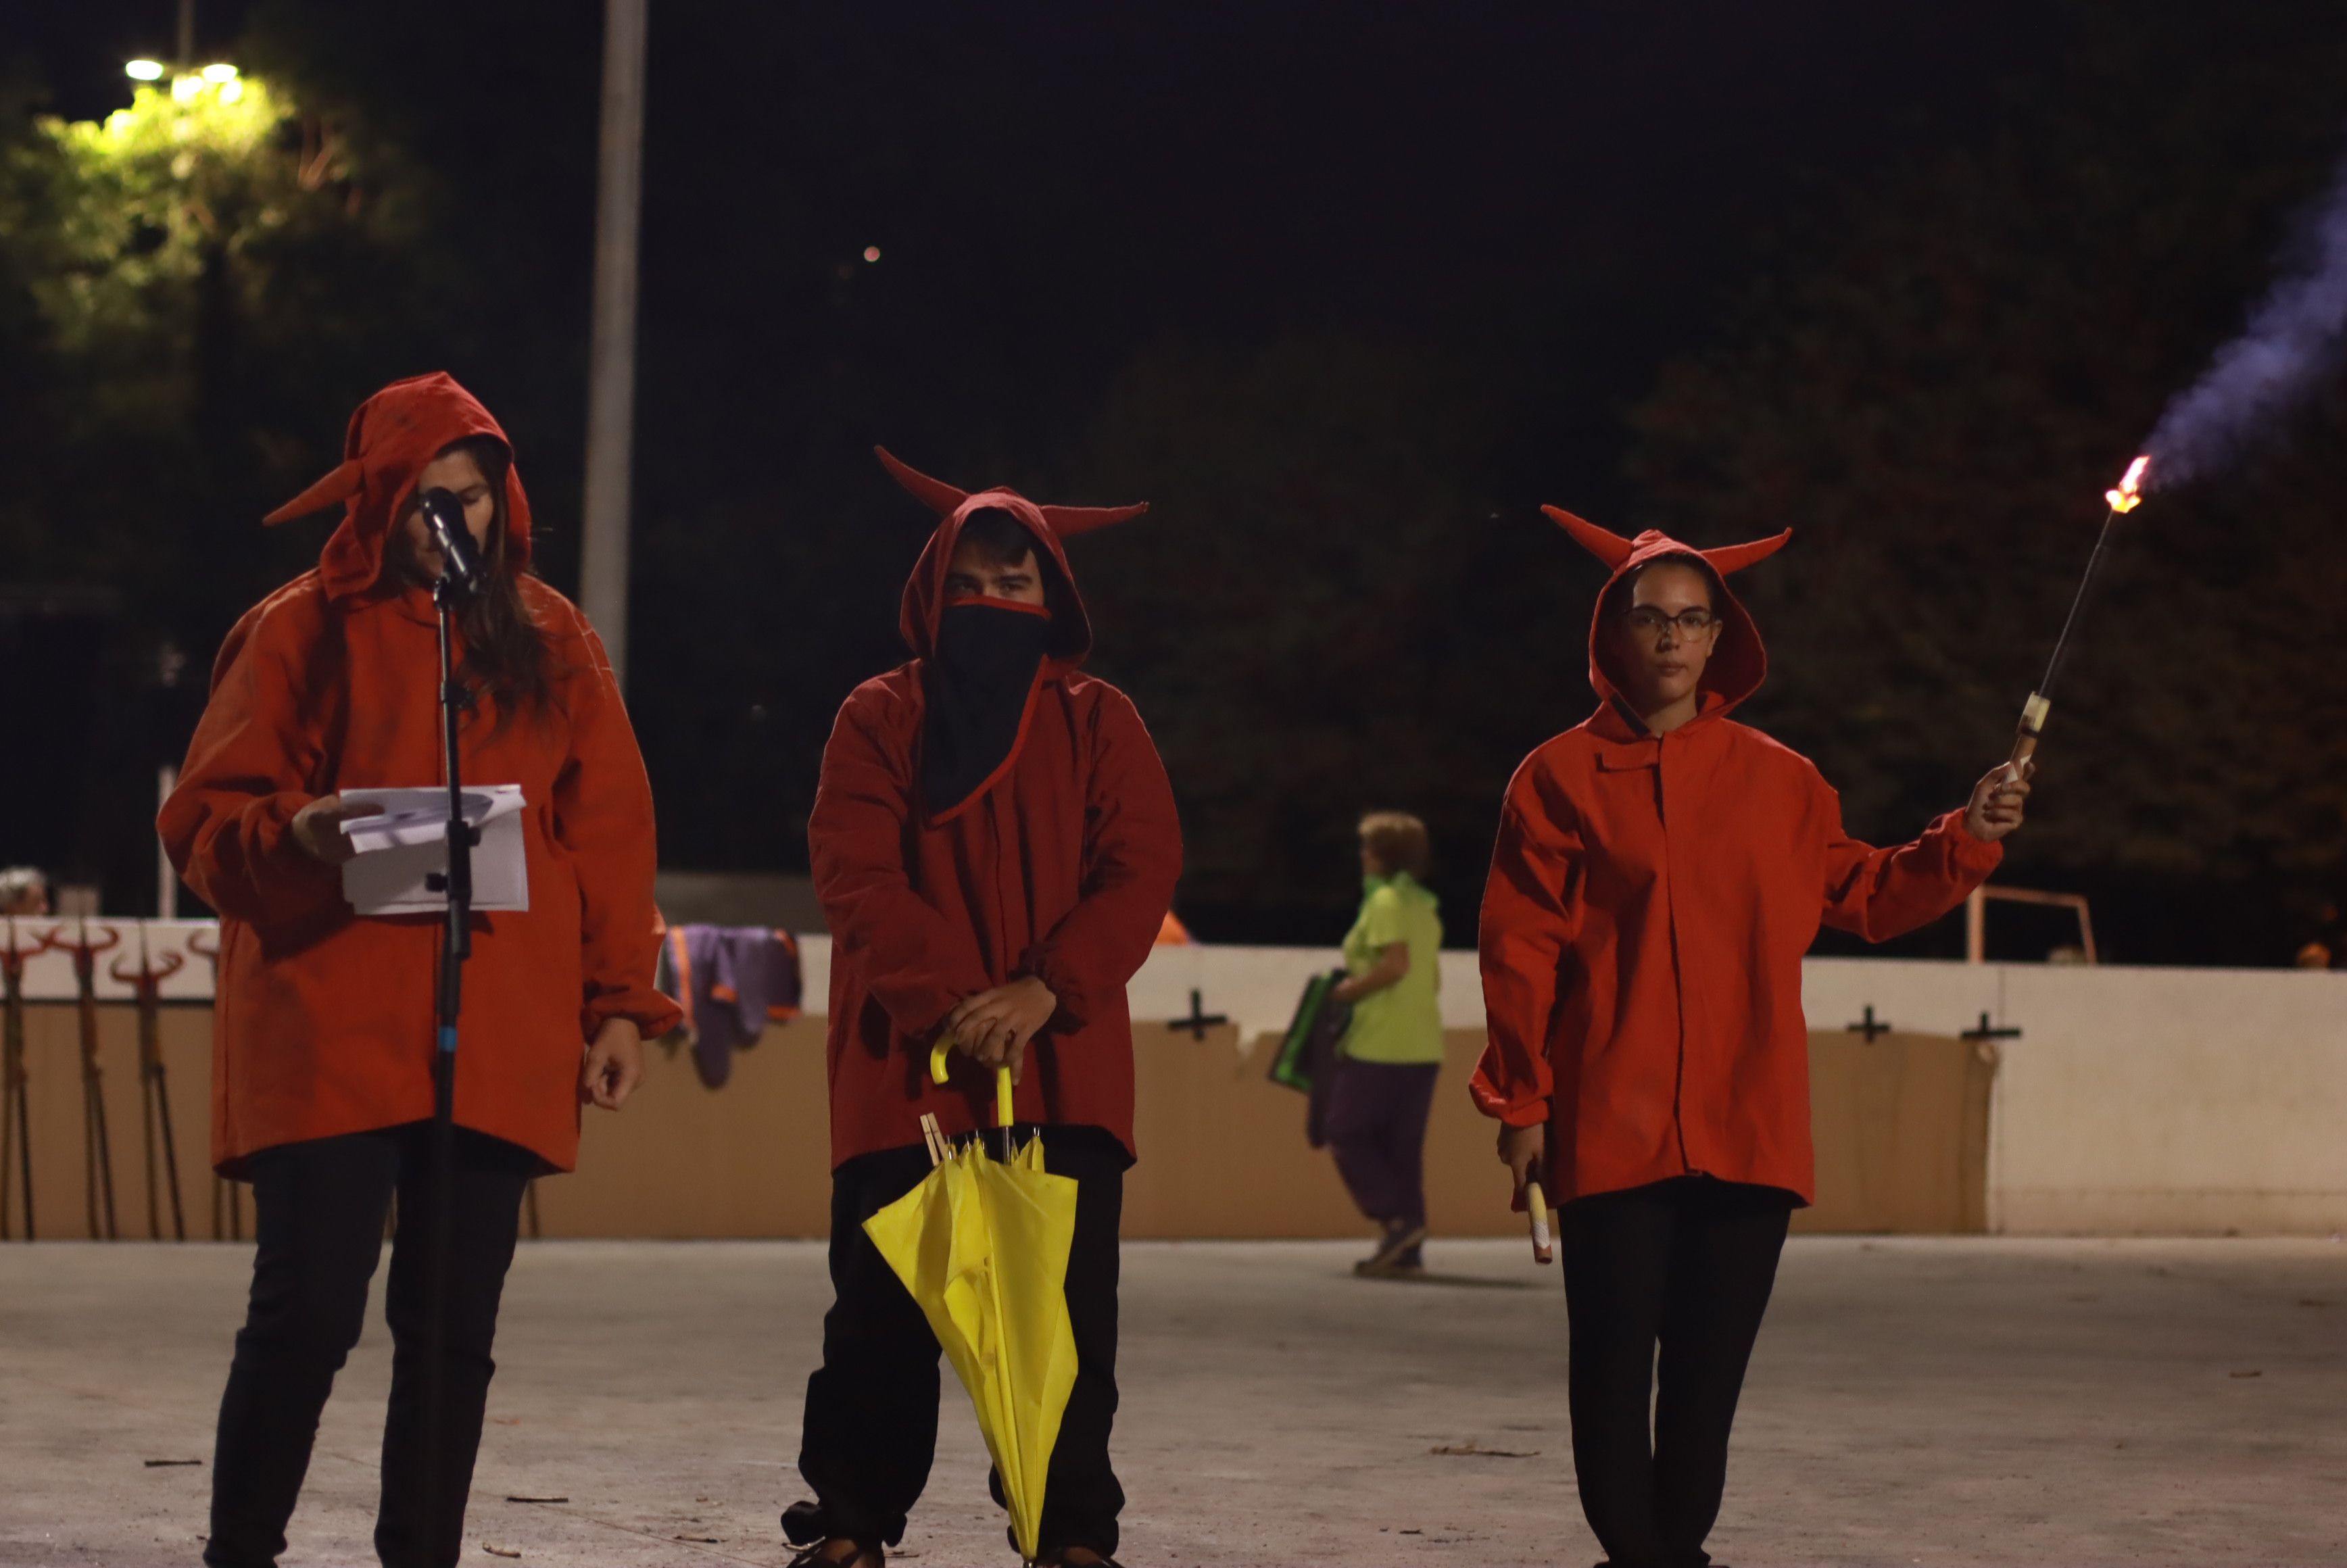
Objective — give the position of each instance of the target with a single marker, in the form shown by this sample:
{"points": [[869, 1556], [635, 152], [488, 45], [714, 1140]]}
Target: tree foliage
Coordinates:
{"points": [[192, 293], [1346, 326], [198, 266], [1329, 610], [1935, 388]]}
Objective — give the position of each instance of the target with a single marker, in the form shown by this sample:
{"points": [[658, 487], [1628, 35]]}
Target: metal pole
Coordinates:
{"points": [[611, 365], [167, 880], [187, 33]]}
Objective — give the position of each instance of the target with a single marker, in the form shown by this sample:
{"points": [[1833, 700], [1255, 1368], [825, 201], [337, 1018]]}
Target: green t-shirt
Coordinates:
{"points": [[1403, 1022]]}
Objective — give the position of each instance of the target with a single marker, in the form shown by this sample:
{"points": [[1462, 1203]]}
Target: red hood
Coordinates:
{"points": [[393, 437], [925, 590], [1741, 662]]}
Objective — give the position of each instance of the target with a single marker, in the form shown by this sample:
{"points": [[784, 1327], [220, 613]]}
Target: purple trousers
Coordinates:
{"points": [[1377, 1129]]}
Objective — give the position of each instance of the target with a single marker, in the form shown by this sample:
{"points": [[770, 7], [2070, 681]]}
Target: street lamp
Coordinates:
{"points": [[219, 77]]}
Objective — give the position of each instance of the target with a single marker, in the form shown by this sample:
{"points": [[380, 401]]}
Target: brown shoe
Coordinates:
{"points": [[1396, 1256]]}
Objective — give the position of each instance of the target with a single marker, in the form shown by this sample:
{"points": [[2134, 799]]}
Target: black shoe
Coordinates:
{"points": [[804, 1525]]}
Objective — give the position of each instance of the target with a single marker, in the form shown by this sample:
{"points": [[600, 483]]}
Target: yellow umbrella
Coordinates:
{"points": [[982, 1243]]}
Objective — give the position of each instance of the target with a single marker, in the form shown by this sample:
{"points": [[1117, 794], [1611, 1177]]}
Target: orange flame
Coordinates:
{"points": [[2128, 495]]}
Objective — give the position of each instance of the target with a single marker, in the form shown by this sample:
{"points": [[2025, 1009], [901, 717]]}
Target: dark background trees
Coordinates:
{"points": [[1345, 291]]}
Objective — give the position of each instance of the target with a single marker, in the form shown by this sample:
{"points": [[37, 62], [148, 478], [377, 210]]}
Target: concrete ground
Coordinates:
{"points": [[1911, 1402]]}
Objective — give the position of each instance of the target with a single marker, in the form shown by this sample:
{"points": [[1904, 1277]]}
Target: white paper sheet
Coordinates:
{"points": [[404, 848]]}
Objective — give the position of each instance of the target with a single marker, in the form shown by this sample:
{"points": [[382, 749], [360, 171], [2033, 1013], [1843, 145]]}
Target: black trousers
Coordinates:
{"points": [[1687, 1264], [319, 1210], [871, 1419]]}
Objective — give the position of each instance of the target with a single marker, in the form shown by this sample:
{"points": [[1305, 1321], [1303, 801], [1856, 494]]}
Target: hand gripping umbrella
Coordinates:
{"points": [[982, 1245]]}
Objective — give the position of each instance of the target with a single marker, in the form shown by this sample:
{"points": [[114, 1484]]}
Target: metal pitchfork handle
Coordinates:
{"points": [[154, 1088], [16, 1113], [97, 1154], [221, 1185]]}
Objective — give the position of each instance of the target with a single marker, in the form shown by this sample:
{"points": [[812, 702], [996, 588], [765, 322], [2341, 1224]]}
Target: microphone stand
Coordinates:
{"points": [[455, 949]]}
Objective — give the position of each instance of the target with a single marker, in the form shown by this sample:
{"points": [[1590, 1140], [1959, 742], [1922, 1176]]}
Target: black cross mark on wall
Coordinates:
{"points": [[1199, 1021], [1990, 1031], [1869, 1026]]}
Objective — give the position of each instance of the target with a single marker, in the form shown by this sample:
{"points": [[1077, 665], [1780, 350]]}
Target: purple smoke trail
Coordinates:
{"points": [[2293, 340]]}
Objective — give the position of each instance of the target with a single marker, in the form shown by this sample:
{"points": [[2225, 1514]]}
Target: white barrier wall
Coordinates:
{"points": [[2132, 1101], [2140, 1100], [49, 973]]}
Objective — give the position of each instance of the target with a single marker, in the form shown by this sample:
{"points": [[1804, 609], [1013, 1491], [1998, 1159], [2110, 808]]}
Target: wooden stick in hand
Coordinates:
{"points": [[1536, 1206]]}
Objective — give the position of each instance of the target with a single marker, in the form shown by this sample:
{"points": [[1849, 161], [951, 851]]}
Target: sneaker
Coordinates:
{"points": [[1395, 1254]]}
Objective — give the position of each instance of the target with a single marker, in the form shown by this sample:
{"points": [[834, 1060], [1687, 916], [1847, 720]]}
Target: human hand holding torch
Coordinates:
{"points": [[1995, 808], [1520, 1151]]}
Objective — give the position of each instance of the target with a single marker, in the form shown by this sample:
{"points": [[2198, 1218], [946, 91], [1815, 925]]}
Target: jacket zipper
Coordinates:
{"points": [[1678, 969]]}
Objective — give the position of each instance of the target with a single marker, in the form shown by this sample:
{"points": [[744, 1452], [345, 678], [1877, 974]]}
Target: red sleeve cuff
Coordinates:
{"points": [[1970, 853], [1531, 1111], [1047, 966], [653, 1014]]}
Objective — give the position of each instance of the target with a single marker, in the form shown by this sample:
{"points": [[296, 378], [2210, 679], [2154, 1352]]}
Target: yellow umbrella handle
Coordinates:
{"points": [[1004, 1113]]}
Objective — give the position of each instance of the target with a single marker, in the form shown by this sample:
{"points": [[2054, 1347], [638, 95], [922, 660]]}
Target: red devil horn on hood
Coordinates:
{"points": [[1069, 521], [1605, 545], [945, 500], [1614, 550], [935, 494], [336, 488], [1736, 557]]}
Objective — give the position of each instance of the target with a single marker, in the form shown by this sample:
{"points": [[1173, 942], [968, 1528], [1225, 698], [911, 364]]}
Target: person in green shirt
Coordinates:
{"points": [[1393, 1049]]}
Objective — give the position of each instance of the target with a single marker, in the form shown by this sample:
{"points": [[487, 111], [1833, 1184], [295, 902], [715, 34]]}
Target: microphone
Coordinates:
{"points": [[461, 570]]}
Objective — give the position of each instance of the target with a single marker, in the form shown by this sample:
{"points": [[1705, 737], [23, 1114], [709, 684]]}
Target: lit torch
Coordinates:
{"points": [[2125, 498]]}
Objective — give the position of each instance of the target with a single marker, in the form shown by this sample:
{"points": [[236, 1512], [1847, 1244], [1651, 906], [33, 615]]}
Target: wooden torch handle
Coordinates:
{"points": [[2025, 737], [1537, 1217]]}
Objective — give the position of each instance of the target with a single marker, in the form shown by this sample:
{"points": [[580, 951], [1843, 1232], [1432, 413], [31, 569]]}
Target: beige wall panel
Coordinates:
{"points": [[752, 1159], [1900, 1125], [54, 1088]]}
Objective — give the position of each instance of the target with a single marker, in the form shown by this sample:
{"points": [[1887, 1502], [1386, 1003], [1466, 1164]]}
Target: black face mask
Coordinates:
{"points": [[980, 682]]}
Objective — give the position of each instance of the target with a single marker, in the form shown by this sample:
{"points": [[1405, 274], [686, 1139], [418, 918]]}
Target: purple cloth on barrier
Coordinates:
{"points": [[734, 980]]}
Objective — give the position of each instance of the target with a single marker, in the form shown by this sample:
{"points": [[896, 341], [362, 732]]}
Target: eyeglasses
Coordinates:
{"points": [[1689, 624]]}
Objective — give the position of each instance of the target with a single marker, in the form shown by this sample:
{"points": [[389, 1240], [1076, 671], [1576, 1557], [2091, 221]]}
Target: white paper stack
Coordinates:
{"points": [[402, 852]]}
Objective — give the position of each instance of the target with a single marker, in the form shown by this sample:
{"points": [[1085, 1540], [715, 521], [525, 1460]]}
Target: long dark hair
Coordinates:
{"points": [[505, 651]]}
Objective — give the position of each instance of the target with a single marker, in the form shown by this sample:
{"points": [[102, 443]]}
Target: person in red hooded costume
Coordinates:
{"points": [[995, 844], [325, 1023], [1659, 873]]}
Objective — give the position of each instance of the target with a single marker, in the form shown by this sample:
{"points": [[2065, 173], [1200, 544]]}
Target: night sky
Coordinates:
{"points": [[1543, 205]]}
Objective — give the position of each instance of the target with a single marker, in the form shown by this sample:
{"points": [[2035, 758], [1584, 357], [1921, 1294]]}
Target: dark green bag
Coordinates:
{"points": [[1310, 1043]]}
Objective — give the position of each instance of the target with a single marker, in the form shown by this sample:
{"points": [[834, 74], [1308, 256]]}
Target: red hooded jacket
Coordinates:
{"points": [[323, 1021], [1650, 900], [1062, 869]]}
